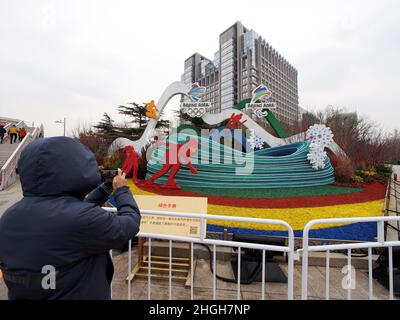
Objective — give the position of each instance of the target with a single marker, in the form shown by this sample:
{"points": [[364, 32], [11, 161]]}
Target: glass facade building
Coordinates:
{"points": [[245, 60]]}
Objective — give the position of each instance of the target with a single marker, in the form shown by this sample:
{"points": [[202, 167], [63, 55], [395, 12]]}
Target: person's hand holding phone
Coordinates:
{"points": [[119, 180]]}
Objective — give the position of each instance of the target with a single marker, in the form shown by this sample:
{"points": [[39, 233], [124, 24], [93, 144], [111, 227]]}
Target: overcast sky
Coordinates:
{"points": [[79, 59]]}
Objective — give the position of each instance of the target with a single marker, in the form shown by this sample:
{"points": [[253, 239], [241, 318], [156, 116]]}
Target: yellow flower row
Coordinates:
{"points": [[297, 218]]}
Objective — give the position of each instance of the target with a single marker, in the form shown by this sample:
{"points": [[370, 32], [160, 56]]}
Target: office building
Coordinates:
{"points": [[244, 60]]}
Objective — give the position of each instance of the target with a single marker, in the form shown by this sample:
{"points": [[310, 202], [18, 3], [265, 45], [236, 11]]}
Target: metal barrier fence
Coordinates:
{"points": [[289, 250], [292, 255], [380, 243]]}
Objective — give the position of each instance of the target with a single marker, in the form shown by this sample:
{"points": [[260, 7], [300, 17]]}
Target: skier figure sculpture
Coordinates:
{"points": [[175, 156]]}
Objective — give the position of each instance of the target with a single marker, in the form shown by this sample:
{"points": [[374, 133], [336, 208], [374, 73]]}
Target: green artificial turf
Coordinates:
{"points": [[275, 193]]}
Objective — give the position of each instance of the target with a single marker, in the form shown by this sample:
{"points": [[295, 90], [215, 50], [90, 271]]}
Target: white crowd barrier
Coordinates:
{"points": [[380, 243], [292, 254], [288, 249]]}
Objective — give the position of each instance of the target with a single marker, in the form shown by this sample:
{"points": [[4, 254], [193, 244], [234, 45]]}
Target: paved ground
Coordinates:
{"points": [[9, 196]]}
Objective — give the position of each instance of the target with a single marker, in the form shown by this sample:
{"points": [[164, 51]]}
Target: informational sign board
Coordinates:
{"points": [[177, 226]]}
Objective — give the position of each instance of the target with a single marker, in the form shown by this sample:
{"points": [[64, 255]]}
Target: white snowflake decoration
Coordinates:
{"points": [[321, 134], [317, 156], [255, 141]]}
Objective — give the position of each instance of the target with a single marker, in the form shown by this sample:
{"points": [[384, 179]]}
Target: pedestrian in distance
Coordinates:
{"points": [[13, 133], [2, 133], [21, 134]]}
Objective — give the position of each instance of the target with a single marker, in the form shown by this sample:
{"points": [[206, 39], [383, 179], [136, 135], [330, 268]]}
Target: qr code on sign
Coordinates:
{"points": [[193, 230]]}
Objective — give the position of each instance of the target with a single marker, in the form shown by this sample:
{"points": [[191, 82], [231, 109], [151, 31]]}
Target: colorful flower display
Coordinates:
{"points": [[362, 201]]}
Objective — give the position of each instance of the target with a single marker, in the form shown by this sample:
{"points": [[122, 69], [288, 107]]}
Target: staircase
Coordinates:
{"points": [[7, 149], [10, 153]]}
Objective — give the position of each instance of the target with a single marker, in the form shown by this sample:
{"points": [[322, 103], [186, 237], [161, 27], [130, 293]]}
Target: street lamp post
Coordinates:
{"points": [[64, 123]]}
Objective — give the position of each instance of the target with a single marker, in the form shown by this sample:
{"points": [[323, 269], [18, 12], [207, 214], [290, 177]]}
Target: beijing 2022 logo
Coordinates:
{"points": [[195, 108], [259, 102]]}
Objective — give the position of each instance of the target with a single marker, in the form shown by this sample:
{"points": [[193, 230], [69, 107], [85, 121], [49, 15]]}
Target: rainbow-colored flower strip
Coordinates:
{"points": [[298, 216]]}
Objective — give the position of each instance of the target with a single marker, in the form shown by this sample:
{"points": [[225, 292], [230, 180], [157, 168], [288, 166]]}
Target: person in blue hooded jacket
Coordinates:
{"points": [[59, 225]]}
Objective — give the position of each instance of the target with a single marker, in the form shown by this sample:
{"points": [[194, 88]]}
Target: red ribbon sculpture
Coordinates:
{"points": [[131, 163]]}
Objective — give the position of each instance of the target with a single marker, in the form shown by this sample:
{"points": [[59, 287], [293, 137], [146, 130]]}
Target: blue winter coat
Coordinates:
{"points": [[54, 225]]}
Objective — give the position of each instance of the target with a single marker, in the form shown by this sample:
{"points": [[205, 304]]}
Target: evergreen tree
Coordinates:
{"points": [[106, 126], [137, 113], [161, 124], [130, 133]]}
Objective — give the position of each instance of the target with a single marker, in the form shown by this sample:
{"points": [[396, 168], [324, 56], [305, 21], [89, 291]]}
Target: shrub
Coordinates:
{"points": [[96, 143], [344, 170], [367, 175], [113, 162], [384, 170], [357, 179]]}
